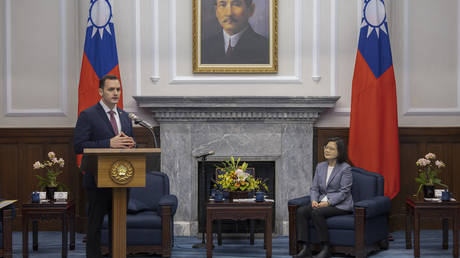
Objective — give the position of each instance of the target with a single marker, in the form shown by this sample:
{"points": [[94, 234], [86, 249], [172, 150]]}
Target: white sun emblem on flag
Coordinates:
{"points": [[374, 17], [100, 16]]}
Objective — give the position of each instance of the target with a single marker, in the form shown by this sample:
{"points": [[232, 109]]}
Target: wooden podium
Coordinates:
{"points": [[119, 169]]}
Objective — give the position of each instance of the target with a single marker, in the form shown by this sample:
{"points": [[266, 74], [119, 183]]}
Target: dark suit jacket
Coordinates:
{"points": [[252, 48], [337, 189], [93, 130]]}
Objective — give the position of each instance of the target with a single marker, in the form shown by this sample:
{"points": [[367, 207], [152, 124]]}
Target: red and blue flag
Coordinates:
{"points": [[374, 140], [100, 53]]}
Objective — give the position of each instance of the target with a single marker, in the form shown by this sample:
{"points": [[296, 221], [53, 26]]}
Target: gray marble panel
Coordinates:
{"points": [[178, 164], [293, 178], [239, 140]]}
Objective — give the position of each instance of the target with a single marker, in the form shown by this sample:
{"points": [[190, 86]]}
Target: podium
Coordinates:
{"points": [[120, 169]]}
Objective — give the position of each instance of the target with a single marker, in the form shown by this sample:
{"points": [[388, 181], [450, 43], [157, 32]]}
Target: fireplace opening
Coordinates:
{"points": [[262, 169]]}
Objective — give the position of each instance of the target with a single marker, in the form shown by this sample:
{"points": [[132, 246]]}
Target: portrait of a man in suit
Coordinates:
{"points": [[233, 40]]}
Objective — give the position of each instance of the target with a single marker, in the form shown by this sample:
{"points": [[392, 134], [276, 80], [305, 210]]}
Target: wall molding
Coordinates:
{"points": [[316, 75], [137, 47], [345, 111], [411, 111], [234, 79], [34, 112], [156, 42], [333, 48]]}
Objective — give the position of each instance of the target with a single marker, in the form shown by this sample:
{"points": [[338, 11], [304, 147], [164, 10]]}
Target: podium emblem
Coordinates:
{"points": [[122, 172]]}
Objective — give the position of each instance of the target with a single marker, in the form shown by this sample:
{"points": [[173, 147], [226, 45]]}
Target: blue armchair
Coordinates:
{"points": [[149, 222], [355, 234], [6, 221]]}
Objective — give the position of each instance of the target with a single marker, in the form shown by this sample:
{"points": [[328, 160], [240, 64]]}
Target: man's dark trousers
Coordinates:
{"points": [[99, 204], [318, 216]]}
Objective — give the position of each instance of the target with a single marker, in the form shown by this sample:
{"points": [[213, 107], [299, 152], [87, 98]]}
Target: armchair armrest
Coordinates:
{"points": [[293, 204], [376, 206], [301, 201], [9, 206], [168, 200]]}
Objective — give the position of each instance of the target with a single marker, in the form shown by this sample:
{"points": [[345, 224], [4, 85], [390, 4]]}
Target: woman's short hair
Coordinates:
{"points": [[341, 149]]}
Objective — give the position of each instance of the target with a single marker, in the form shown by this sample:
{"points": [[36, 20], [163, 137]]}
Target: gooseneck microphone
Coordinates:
{"points": [[137, 120], [204, 155]]}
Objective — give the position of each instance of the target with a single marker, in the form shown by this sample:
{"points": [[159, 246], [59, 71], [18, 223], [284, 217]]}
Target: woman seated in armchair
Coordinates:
{"points": [[330, 196]]}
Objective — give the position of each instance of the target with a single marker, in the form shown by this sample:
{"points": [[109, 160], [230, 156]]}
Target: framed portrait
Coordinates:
{"points": [[235, 36]]}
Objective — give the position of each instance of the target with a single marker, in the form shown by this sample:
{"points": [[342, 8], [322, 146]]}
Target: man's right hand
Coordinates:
{"points": [[122, 141], [314, 204]]}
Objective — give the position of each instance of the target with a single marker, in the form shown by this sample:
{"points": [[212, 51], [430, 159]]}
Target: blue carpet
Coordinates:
{"points": [[49, 245]]}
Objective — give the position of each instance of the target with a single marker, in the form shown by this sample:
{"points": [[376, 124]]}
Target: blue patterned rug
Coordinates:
{"points": [[49, 245]]}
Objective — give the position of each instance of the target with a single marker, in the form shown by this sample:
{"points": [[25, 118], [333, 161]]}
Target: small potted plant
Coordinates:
{"points": [[429, 168], [49, 182]]}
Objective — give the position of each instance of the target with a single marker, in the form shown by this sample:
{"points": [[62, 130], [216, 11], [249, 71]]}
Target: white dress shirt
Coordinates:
{"points": [[117, 117], [235, 38], [329, 171]]}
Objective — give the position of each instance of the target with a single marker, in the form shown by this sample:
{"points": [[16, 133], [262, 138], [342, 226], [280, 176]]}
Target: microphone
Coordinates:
{"points": [[139, 121], [204, 155], [145, 124]]}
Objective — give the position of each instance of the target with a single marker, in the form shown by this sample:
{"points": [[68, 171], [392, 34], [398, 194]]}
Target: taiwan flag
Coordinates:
{"points": [[374, 141], [100, 55]]}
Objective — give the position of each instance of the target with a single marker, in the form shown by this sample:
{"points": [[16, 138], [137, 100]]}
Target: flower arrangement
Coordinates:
{"points": [[428, 168], [54, 166], [233, 177]]}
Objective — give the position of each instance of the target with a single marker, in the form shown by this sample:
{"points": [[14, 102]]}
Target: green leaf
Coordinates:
{"points": [[420, 181]]}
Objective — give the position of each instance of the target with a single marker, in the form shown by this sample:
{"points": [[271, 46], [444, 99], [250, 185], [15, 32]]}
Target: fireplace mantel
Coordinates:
{"points": [[266, 109], [278, 129]]}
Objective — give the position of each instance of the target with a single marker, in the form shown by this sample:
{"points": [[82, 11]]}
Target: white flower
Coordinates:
{"points": [[61, 162], [241, 174], [422, 162], [54, 160], [440, 164], [51, 155], [37, 165], [430, 156]]}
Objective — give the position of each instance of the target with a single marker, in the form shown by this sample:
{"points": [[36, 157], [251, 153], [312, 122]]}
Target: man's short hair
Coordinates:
{"points": [[105, 78], [248, 2]]}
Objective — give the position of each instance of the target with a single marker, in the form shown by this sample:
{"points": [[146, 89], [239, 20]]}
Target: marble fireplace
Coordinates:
{"points": [[276, 129]]}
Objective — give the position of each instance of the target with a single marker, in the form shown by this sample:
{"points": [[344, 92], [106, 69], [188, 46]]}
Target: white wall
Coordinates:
{"points": [[41, 45]]}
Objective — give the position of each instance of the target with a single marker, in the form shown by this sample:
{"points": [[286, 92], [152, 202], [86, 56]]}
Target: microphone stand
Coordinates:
{"points": [[203, 199]]}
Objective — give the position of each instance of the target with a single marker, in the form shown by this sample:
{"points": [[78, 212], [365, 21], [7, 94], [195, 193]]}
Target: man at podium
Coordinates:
{"points": [[103, 125]]}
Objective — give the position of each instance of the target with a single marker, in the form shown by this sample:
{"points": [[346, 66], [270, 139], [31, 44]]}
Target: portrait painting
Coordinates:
{"points": [[235, 36]]}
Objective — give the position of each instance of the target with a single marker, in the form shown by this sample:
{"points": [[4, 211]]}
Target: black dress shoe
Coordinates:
{"points": [[305, 252], [324, 253]]}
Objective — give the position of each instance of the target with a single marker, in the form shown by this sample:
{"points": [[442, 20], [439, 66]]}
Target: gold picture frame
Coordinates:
{"points": [[256, 50]]}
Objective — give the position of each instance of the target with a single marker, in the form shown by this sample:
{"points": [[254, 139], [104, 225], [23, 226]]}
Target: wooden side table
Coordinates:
{"points": [[239, 211], [418, 208], [44, 211]]}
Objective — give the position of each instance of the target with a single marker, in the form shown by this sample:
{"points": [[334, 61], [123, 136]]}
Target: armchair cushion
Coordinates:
{"points": [[144, 220], [301, 201], [135, 206], [379, 205], [341, 222], [168, 200]]}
